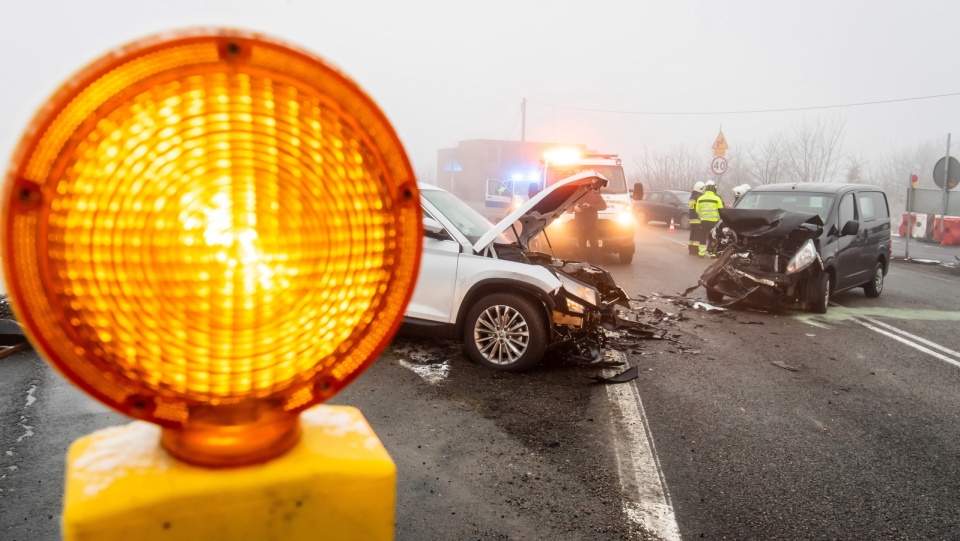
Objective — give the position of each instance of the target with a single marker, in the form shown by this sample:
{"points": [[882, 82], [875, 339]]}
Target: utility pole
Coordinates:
{"points": [[523, 120], [946, 186]]}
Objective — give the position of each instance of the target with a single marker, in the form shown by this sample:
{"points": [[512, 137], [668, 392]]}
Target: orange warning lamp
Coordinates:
{"points": [[211, 231]]}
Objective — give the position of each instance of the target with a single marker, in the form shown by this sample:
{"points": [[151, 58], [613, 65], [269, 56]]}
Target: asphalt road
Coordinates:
{"points": [[860, 440]]}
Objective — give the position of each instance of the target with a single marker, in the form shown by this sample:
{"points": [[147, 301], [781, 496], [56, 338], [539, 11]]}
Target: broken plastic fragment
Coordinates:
{"points": [[629, 374], [783, 365], [708, 307]]}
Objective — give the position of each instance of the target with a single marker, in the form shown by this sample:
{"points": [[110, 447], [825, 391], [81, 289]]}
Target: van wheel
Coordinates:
{"points": [[505, 331], [820, 294], [626, 257], [874, 287]]}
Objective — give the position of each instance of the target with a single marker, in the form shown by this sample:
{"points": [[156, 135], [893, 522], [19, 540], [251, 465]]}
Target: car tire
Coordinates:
{"points": [[874, 287], [642, 218], [713, 295], [626, 257], [506, 332], [684, 221], [820, 294]]}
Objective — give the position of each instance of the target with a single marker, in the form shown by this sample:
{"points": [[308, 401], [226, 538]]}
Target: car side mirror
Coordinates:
{"points": [[637, 193], [852, 227], [433, 229]]}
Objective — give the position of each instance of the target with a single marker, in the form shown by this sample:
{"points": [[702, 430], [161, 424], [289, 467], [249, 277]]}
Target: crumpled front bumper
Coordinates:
{"points": [[728, 277]]}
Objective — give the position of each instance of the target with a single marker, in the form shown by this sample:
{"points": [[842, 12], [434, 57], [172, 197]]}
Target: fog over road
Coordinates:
{"points": [[853, 434]]}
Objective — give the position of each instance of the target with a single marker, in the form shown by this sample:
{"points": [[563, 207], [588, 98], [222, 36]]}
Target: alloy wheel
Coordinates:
{"points": [[501, 334]]}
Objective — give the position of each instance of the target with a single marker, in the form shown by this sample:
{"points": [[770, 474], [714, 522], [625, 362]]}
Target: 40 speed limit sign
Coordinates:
{"points": [[719, 165]]}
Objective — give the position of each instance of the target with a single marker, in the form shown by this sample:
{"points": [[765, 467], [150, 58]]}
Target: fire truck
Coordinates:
{"points": [[616, 225]]}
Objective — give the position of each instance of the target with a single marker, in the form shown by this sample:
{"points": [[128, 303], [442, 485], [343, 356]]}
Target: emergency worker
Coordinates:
{"points": [[693, 246], [708, 209], [739, 191], [585, 222]]}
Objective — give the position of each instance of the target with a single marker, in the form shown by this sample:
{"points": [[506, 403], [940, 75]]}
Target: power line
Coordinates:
{"points": [[745, 112]]}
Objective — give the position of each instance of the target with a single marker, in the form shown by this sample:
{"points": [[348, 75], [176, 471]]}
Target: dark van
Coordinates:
{"points": [[848, 226]]}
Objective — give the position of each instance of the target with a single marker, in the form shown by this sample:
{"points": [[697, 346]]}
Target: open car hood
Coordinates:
{"points": [[542, 209], [768, 223]]}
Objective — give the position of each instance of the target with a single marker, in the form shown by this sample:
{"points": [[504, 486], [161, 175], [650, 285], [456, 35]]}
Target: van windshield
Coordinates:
{"points": [[809, 203], [616, 182]]}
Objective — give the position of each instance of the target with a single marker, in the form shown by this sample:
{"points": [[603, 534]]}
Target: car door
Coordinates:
{"points": [[655, 206], [433, 296], [850, 270], [673, 207], [875, 226]]}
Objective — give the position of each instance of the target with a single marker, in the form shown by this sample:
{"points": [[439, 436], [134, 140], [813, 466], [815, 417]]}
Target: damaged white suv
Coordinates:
{"points": [[507, 303]]}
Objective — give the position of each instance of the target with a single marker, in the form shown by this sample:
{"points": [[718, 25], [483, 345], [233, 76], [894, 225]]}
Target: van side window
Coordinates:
{"points": [[867, 210], [878, 203], [846, 211]]}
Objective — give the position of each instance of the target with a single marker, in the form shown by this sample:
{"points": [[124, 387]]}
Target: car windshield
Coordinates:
{"points": [[616, 182], [468, 221], [809, 203]]}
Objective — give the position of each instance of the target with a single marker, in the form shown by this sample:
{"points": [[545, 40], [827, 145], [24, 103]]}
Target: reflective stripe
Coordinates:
{"points": [[708, 206]]}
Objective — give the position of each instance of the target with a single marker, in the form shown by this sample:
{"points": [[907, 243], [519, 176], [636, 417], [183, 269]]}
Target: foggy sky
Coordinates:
{"points": [[445, 71]]}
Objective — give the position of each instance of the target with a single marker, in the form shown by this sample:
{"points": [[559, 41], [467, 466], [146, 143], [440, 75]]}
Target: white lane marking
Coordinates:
{"points": [[914, 345], [924, 341], [949, 281], [640, 469], [815, 323]]}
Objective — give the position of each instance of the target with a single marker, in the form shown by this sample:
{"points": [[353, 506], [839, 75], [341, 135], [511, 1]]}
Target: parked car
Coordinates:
{"points": [[663, 206], [801, 244], [506, 302]]}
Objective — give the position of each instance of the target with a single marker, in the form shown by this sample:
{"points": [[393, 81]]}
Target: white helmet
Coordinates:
{"points": [[740, 190], [711, 185], [699, 186]]}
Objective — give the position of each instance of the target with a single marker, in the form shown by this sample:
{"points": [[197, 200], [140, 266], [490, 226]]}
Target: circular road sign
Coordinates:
{"points": [[938, 173], [719, 165]]}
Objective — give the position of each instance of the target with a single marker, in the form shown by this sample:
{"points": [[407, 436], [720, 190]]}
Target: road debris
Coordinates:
{"points": [[708, 307], [783, 365], [626, 376]]}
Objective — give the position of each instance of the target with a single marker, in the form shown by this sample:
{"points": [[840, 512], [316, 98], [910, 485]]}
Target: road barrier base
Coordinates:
{"points": [[337, 483]]}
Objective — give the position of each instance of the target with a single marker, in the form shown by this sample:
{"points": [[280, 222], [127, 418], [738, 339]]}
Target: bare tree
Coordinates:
{"points": [[814, 150], [676, 169], [892, 170], [854, 168], [766, 163]]}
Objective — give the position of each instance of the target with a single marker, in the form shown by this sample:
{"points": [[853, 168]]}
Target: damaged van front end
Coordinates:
{"points": [[770, 257]]}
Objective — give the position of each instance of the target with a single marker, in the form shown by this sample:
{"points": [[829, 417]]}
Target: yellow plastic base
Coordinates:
{"points": [[337, 483]]}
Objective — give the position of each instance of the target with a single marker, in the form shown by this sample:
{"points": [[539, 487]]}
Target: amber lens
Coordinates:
{"points": [[211, 220]]}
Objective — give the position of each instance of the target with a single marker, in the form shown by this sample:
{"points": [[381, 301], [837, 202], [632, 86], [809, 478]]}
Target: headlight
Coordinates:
{"points": [[625, 217], [580, 291], [803, 258], [574, 306]]}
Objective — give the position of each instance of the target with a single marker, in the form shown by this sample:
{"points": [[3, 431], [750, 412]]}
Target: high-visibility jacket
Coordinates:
{"points": [[708, 207], [692, 205]]}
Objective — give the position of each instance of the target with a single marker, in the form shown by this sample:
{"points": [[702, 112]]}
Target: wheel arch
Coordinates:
{"points": [[494, 285]]}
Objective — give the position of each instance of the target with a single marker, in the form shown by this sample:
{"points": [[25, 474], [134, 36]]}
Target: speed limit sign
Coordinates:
{"points": [[719, 165]]}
